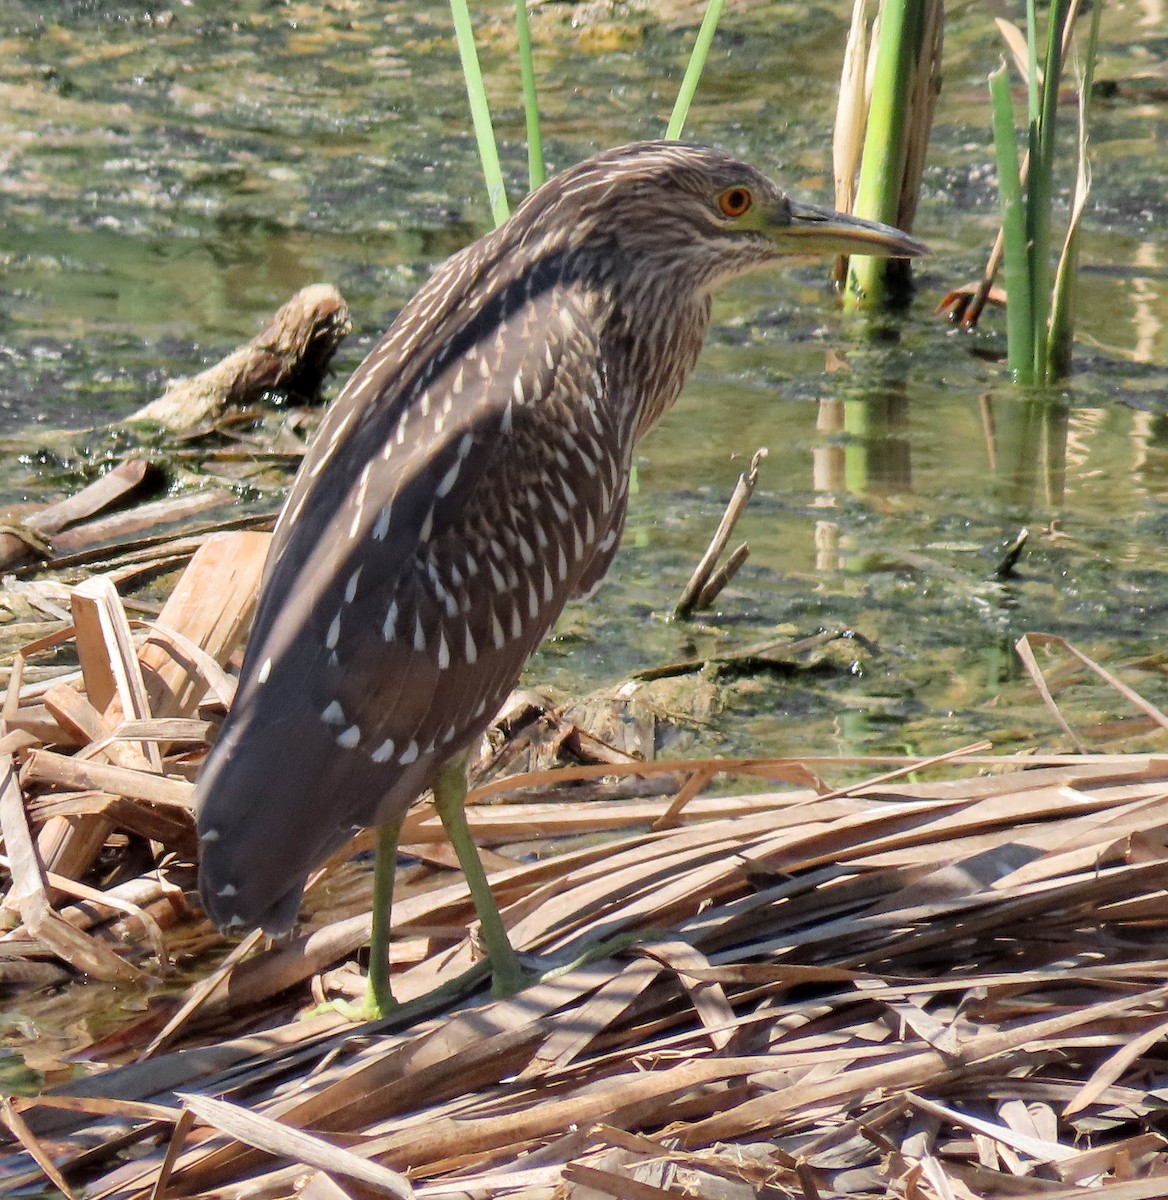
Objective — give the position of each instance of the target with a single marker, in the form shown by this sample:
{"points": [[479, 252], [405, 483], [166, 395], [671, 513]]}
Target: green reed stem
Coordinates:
{"points": [[1040, 185], [693, 72], [480, 111], [902, 26], [1062, 311], [535, 169]]}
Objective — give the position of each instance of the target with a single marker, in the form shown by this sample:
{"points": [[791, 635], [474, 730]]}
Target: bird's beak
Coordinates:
{"points": [[810, 229]]}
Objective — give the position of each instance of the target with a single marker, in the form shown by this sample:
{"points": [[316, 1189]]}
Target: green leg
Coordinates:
{"points": [[378, 996], [378, 1000], [450, 801]]}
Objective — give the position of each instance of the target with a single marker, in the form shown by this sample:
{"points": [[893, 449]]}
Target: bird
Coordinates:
{"points": [[471, 477]]}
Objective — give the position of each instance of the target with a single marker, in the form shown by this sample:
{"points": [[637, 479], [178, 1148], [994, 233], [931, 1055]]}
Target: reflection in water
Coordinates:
{"points": [[864, 449], [1148, 302], [1026, 444]]}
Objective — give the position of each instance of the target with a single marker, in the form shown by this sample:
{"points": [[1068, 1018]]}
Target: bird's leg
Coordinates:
{"points": [[450, 801], [378, 1000], [378, 996]]}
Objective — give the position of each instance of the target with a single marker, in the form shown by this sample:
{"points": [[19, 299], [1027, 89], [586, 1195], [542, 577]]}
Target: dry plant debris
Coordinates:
{"points": [[955, 988]]}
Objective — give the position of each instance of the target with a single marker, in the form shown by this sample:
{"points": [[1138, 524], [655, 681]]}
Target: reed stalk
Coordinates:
{"points": [[535, 168], [904, 67], [693, 72], [480, 111], [1062, 316], [1039, 318]]}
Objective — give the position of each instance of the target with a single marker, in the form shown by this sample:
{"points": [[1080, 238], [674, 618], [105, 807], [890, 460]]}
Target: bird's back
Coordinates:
{"points": [[432, 536]]}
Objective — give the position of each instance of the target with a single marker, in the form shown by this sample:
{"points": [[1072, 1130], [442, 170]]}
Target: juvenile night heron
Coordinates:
{"points": [[469, 479]]}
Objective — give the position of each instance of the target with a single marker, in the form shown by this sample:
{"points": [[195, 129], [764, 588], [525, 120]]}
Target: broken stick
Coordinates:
{"points": [[704, 585]]}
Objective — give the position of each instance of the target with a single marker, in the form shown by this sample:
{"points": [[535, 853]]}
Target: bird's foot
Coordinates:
{"points": [[376, 1002], [359, 1011], [512, 979]]}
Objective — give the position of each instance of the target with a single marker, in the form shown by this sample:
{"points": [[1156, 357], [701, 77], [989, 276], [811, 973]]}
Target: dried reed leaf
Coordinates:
{"points": [[851, 112], [32, 1144], [709, 1000], [607, 1006], [106, 899], [1127, 1155], [1129, 694], [1035, 1148], [1015, 41], [284, 1141], [610, 1183], [1113, 1067]]}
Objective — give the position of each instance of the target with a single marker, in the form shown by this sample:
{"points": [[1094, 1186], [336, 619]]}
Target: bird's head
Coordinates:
{"points": [[696, 214]]}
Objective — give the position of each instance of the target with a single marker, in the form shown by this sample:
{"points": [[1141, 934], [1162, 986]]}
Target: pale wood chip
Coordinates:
{"points": [[79, 950]]}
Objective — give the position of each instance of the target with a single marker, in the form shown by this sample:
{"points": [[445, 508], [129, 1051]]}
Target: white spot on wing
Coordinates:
{"points": [[359, 502], [409, 754], [447, 480], [381, 527], [228, 889], [351, 586], [443, 652], [389, 625], [472, 651], [384, 752], [264, 671], [334, 633], [350, 737], [334, 714]]}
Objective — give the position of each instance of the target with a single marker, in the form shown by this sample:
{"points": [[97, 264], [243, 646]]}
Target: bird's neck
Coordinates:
{"points": [[652, 343]]}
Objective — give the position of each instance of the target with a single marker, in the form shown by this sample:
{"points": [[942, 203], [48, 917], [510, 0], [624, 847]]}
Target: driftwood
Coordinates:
{"points": [[29, 535], [291, 355]]}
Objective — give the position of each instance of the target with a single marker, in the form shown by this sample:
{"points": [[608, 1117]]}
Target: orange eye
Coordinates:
{"points": [[735, 201]]}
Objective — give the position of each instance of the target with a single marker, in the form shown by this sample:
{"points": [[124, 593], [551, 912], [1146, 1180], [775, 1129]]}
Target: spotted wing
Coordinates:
{"points": [[422, 558]]}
